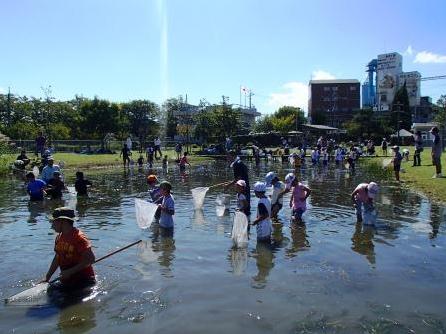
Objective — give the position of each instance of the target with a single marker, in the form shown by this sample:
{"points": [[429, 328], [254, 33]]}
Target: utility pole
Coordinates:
{"points": [[251, 94]]}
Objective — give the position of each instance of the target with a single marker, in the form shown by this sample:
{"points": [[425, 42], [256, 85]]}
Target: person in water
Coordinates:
{"points": [[299, 195], [363, 197], [74, 256], [55, 186], [263, 219], [81, 185], [184, 162], [35, 187], [167, 206]]}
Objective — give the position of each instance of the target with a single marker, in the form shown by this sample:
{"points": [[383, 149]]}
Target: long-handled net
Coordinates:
{"points": [[198, 195], [240, 230], [34, 294], [145, 212]]}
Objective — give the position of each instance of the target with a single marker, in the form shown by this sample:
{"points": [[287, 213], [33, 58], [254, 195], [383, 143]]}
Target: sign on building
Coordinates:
{"points": [[389, 67], [412, 80]]}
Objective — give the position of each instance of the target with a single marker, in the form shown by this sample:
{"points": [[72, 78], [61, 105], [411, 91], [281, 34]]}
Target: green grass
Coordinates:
{"points": [[73, 161], [420, 178]]}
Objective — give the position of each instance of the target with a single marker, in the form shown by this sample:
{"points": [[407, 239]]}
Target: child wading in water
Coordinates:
{"points": [[278, 191], [263, 220], [81, 184], [397, 158], [165, 162], [299, 195], [362, 198], [242, 201], [167, 206], [184, 162], [55, 186]]}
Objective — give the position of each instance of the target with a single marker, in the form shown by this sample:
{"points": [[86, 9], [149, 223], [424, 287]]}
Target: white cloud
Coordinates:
{"points": [[293, 94], [322, 75], [426, 57], [409, 51]]}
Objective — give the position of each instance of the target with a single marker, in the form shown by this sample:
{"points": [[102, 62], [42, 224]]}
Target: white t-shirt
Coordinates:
{"points": [[264, 227], [277, 189]]}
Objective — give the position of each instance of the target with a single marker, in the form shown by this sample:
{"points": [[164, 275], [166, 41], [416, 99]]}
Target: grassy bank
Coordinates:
{"points": [[74, 161], [418, 178]]}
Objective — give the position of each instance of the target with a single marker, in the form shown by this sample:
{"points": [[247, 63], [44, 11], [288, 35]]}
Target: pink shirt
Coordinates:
{"points": [[362, 192], [299, 193]]}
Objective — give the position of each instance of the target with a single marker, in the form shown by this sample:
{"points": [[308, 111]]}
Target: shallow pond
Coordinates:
{"points": [[330, 275]]}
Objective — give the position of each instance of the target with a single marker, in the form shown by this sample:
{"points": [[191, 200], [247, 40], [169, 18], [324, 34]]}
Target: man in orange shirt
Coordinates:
{"points": [[73, 251]]}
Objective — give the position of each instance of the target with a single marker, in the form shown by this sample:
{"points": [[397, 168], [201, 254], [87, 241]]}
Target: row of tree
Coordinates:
{"points": [[24, 117]]}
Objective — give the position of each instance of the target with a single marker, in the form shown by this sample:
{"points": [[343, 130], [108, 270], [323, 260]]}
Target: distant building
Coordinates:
{"points": [[368, 95], [333, 102], [424, 112], [249, 115], [389, 78]]}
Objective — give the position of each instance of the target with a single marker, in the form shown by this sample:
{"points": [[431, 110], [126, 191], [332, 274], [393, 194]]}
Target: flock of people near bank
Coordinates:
{"points": [[73, 254]]}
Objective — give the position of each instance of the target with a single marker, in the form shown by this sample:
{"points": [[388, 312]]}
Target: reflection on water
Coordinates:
{"points": [[329, 274], [362, 241], [299, 241]]}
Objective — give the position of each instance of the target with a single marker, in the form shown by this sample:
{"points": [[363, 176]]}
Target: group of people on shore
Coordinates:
{"points": [[151, 156]]}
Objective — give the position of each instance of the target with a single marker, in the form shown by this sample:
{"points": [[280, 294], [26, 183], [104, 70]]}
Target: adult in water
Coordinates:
{"points": [[73, 251], [241, 173]]}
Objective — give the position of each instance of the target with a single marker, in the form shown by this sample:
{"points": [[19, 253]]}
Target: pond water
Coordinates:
{"points": [[330, 275]]}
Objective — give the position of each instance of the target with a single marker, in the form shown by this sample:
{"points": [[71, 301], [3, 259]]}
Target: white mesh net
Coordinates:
{"points": [[240, 230], [198, 195], [145, 212], [28, 296]]}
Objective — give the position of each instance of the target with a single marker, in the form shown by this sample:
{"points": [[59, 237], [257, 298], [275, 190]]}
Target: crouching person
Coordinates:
{"points": [[74, 256]]}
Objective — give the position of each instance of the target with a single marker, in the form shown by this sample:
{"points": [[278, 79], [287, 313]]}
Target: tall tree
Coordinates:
{"points": [[99, 117], [171, 107], [285, 119], [401, 109], [143, 118], [440, 110]]}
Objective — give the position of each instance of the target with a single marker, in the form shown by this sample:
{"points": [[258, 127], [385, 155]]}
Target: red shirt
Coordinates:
{"points": [[69, 249], [183, 161]]}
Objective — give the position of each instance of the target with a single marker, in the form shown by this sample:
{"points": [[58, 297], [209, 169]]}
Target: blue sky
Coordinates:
{"points": [[144, 49]]}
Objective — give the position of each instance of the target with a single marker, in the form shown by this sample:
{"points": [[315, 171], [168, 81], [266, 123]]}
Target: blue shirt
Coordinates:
{"points": [[155, 194], [35, 189], [47, 172], [166, 219]]}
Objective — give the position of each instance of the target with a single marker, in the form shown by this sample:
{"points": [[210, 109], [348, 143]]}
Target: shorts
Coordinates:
{"points": [[297, 214], [397, 168]]}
